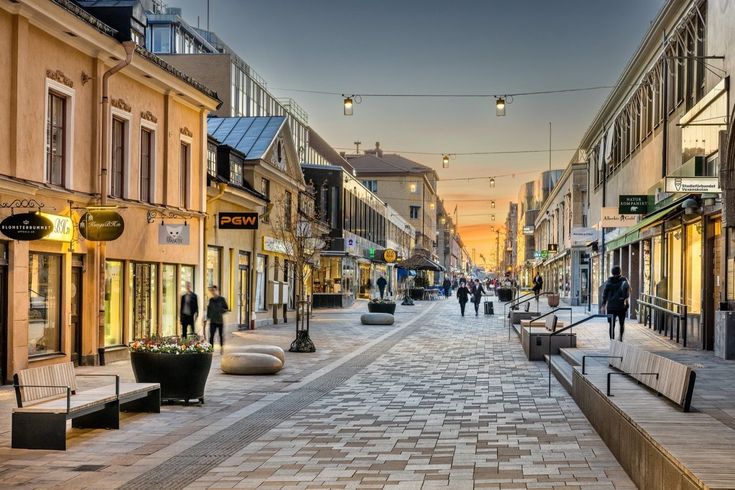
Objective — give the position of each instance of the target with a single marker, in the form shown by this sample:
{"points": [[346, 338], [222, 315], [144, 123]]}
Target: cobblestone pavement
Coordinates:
{"points": [[435, 401]]}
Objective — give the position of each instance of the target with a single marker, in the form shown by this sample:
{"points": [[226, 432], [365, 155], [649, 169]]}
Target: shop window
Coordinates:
{"points": [[186, 275], [260, 282], [113, 303], [119, 156], [693, 264], [146, 164], [214, 269], [168, 303], [673, 243], [144, 300], [44, 314], [730, 247]]}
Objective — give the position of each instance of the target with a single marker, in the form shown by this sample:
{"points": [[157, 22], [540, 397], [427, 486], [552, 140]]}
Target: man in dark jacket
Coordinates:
{"points": [[615, 300], [477, 293], [216, 308], [382, 283], [188, 310], [463, 294], [447, 286]]}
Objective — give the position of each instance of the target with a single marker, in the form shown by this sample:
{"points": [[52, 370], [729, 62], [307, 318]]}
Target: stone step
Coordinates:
{"points": [[562, 370]]}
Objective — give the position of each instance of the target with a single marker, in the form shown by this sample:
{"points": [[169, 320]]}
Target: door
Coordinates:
{"points": [[3, 325], [712, 281], [243, 305], [77, 295]]}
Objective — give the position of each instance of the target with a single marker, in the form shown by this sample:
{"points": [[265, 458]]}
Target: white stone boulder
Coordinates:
{"points": [[271, 350], [377, 319], [250, 363]]}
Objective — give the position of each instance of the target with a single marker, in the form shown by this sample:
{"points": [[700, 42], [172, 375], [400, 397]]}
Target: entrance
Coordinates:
{"points": [[712, 281], [243, 302], [77, 296], [3, 316], [144, 300], [365, 283]]}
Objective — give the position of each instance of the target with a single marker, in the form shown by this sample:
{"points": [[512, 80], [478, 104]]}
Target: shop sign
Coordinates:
{"points": [[350, 245], [611, 218], [237, 221], [26, 226], [63, 230], [553, 247], [271, 244], [695, 185], [633, 204], [390, 255], [171, 234], [583, 236], [101, 226], [544, 254], [528, 230]]}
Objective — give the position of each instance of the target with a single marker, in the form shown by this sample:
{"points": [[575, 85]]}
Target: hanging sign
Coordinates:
{"points": [[63, 230], [528, 230], [237, 221], [583, 236], [633, 204], [101, 226], [173, 234], [694, 185], [26, 226], [271, 244], [553, 247], [611, 218], [390, 255]]}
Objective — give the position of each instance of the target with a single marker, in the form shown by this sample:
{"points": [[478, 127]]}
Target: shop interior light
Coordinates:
{"points": [[500, 106], [348, 106]]}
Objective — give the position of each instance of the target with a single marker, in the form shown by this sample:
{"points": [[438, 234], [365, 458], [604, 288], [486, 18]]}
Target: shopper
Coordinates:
{"points": [[447, 286], [615, 300], [189, 310], [381, 282], [216, 308], [463, 294], [538, 284], [477, 293]]}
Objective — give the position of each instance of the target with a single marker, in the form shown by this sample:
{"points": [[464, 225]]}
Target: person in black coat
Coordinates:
{"points": [[188, 310], [615, 300], [477, 293], [382, 283], [447, 286], [463, 294]]}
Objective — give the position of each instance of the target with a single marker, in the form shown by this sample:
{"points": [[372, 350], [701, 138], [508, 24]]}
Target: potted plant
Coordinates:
{"points": [[180, 366], [553, 300], [382, 306]]}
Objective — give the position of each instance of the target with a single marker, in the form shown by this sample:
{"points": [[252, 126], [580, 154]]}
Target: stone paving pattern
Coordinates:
{"points": [[446, 402]]}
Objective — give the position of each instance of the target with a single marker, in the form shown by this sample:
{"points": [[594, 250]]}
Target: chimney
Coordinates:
{"points": [[343, 154], [378, 151]]}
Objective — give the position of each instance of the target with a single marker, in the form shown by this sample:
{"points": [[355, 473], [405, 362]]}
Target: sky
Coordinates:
{"points": [[432, 46]]}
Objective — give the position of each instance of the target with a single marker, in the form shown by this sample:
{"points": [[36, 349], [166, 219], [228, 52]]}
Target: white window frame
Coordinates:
{"points": [[153, 128], [69, 93], [183, 139], [128, 118]]}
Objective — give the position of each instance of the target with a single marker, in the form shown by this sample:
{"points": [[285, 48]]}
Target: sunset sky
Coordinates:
{"points": [[433, 46]]}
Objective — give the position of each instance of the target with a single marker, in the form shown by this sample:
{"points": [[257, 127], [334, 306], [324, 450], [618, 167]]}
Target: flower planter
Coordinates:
{"points": [[553, 300], [505, 294], [382, 308], [182, 376]]}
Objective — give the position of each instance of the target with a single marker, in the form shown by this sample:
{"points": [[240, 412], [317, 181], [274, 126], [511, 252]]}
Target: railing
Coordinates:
{"points": [[519, 301], [569, 327], [670, 312]]}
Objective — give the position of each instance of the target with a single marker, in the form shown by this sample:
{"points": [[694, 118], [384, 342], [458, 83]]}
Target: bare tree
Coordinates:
{"points": [[302, 236]]}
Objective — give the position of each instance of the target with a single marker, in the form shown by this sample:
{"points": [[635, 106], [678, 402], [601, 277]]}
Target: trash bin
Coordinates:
{"points": [[489, 308], [553, 300]]}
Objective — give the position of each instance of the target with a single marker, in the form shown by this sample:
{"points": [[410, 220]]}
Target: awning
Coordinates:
{"points": [[633, 233], [420, 263]]}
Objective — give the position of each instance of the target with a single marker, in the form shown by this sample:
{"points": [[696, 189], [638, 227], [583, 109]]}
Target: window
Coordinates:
{"points": [[144, 301], [212, 160], [146, 165], [372, 185], [415, 211], [118, 157], [184, 175], [113, 302], [214, 277], [287, 205], [413, 187], [161, 39], [168, 305], [44, 313], [260, 268], [235, 171], [56, 138], [265, 188]]}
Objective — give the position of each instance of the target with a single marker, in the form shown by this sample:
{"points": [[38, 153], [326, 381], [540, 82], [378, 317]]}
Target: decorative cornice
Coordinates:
{"points": [[121, 104], [148, 116], [187, 132], [59, 76]]}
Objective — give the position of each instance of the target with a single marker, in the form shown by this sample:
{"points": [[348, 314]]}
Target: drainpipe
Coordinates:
{"points": [[100, 262]]}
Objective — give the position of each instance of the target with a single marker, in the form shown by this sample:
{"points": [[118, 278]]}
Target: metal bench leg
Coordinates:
{"points": [[39, 431], [105, 418], [150, 403]]}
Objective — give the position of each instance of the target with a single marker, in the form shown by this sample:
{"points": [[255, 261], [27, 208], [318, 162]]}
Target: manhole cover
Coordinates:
{"points": [[90, 467]]}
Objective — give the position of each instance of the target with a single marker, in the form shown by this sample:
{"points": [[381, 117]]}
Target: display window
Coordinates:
{"points": [[114, 284], [44, 313]]}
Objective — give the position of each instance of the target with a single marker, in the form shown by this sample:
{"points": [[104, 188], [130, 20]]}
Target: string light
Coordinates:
{"points": [[348, 106], [445, 161], [500, 106], [492, 182], [492, 204]]}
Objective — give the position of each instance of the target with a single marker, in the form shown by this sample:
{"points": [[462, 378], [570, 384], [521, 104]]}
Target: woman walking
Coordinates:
{"points": [[463, 294], [477, 293]]}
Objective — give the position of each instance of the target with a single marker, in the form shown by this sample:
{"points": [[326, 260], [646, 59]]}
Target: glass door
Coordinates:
{"points": [[77, 295], [3, 326], [243, 305]]}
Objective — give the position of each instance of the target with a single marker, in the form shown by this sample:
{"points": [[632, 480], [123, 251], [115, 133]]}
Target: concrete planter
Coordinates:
{"points": [[382, 308], [182, 377], [553, 300]]}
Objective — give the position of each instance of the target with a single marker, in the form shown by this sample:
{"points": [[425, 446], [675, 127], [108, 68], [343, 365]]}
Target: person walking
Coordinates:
{"points": [[615, 300], [463, 294], [189, 310], [216, 308], [477, 293], [447, 286], [538, 284], [381, 282]]}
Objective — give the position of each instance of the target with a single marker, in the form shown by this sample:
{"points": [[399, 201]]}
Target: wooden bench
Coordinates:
{"points": [[666, 377], [546, 322], [47, 397]]}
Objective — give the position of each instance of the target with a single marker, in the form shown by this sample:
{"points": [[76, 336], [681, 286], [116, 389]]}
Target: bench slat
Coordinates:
{"points": [[54, 374]]}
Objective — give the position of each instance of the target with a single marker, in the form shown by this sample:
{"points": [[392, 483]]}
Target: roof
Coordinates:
{"points": [[251, 136], [323, 148], [388, 163]]}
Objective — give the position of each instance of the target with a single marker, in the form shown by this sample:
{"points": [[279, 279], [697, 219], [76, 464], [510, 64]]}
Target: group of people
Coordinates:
{"points": [[216, 309], [473, 292]]}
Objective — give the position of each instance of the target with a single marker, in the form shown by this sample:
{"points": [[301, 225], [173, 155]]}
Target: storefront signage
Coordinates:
{"points": [[583, 236], [173, 234], [237, 221], [271, 244], [695, 185], [26, 226], [390, 255], [528, 230], [633, 204], [63, 230], [611, 218], [553, 247], [101, 226]]}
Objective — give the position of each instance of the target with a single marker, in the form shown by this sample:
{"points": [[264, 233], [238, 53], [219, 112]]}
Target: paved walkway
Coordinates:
{"points": [[433, 401]]}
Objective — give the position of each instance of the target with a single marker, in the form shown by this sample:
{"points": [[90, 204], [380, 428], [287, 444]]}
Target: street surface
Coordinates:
{"points": [[434, 401]]}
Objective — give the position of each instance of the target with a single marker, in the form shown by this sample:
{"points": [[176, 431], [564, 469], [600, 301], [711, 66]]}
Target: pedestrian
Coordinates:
{"points": [[381, 282], [216, 308], [463, 294], [538, 284], [189, 310], [477, 293], [615, 300], [447, 286]]}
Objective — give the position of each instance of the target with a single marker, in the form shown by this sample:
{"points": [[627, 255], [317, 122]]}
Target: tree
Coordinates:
{"points": [[301, 238]]}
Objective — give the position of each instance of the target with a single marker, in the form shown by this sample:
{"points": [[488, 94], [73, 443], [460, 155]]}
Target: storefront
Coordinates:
{"points": [[334, 281]]}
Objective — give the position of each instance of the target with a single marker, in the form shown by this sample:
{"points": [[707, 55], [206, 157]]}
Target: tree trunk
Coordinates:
{"points": [[302, 343]]}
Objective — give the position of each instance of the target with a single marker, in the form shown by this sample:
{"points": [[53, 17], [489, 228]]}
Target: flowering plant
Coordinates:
{"points": [[382, 301], [172, 345]]}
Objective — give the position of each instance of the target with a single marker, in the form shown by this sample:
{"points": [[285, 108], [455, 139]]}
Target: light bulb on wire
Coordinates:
{"points": [[445, 161], [492, 182], [348, 106]]}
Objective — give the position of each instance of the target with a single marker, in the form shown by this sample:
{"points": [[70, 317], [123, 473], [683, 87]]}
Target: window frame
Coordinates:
{"points": [[61, 306], [126, 119], [417, 210], [64, 91], [152, 129], [185, 187]]}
